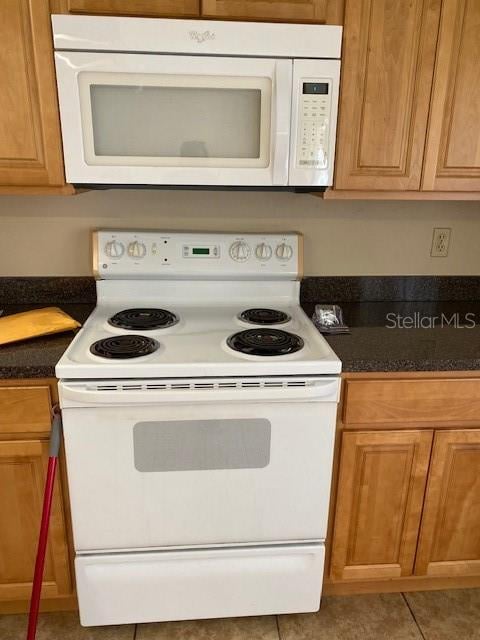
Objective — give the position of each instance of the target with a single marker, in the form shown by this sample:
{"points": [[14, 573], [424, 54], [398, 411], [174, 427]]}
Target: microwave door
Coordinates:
{"points": [[174, 120]]}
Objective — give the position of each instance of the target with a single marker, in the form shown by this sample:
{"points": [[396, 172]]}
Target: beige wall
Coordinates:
{"points": [[50, 235]]}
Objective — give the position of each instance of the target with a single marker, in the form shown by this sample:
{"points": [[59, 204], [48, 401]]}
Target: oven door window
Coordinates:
{"points": [[201, 445], [175, 120]]}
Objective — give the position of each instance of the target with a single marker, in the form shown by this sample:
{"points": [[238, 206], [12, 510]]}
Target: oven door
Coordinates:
{"points": [[174, 120], [155, 465]]}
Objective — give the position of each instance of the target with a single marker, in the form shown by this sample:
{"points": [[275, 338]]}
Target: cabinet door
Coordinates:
{"points": [[316, 11], [30, 145], [379, 503], [452, 159], [450, 534], [387, 70], [22, 476], [153, 8]]}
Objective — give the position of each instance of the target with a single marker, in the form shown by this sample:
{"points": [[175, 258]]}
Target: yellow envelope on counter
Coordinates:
{"points": [[31, 324]]}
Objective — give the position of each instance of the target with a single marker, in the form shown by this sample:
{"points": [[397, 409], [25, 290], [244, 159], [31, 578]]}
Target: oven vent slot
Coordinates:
{"points": [[202, 386]]}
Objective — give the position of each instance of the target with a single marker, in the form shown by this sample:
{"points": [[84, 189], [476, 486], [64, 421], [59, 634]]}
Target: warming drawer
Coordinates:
{"points": [[216, 583]]}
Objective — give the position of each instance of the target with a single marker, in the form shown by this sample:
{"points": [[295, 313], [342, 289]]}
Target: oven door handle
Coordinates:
{"points": [[81, 394]]}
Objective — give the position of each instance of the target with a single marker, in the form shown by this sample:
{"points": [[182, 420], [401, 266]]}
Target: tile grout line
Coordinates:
{"points": [[135, 628], [278, 628], [413, 616]]}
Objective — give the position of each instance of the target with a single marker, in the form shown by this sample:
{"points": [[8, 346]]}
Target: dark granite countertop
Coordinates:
{"points": [[423, 344], [371, 346], [36, 358]]}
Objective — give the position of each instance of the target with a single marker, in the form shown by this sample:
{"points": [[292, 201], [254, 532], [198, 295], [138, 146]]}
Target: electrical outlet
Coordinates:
{"points": [[440, 243]]}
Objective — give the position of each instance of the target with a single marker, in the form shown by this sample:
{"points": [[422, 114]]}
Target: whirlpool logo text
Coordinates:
{"points": [[202, 36]]}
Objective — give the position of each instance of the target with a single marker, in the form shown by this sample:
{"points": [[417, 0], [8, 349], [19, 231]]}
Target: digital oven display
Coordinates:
{"points": [[200, 251]]}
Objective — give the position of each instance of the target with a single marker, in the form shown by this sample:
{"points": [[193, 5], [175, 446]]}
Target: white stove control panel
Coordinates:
{"points": [[128, 254]]}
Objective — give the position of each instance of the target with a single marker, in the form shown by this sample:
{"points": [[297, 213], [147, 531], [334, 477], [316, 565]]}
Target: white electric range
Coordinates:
{"points": [[199, 406]]}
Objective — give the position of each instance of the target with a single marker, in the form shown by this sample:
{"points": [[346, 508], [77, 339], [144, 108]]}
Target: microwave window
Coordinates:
{"points": [[175, 122]]}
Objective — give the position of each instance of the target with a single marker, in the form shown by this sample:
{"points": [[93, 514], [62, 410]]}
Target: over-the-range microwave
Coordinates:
{"points": [[201, 103]]}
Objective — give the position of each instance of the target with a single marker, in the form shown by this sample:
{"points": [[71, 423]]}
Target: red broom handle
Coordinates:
{"points": [[55, 439]]}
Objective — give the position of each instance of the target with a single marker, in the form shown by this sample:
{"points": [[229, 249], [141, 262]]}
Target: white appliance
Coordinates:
{"points": [[187, 102], [199, 406]]}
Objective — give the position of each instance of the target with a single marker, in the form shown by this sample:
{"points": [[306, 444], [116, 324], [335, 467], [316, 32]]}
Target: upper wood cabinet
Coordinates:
{"points": [[152, 8], [450, 535], [387, 69], [452, 157], [316, 11], [30, 143], [379, 503]]}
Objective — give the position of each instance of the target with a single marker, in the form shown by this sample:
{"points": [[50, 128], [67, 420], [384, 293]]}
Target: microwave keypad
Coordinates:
{"points": [[313, 131]]}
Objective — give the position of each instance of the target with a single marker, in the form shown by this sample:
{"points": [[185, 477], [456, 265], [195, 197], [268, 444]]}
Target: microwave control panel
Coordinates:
{"points": [[314, 122], [314, 118]]}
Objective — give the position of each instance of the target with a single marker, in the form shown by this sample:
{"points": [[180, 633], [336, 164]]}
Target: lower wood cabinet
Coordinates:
{"points": [[449, 542], [22, 478], [25, 420], [406, 506], [380, 497]]}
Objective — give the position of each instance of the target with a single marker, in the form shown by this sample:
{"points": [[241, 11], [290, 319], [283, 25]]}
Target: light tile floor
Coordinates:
{"points": [[433, 615]]}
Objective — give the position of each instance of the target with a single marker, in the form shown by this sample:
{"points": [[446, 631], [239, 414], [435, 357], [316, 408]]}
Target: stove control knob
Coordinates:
{"points": [[137, 249], [114, 249], [239, 251], [284, 251], [263, 251]]}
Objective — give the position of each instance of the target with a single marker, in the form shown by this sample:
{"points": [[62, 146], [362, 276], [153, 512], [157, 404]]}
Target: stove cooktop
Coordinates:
{"points": [[210, 340], [195, 305]]}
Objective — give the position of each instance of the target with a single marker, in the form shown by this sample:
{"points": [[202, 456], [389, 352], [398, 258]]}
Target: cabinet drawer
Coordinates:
{"points": [[25, 409], [426, 400]]}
